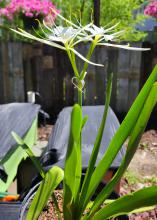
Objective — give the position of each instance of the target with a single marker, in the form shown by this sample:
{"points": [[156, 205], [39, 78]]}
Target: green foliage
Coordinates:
{"points": [[80, 10], [142, 198], [76, 199], [124, 12], [77, 196], [52, 179], [131, 177]]}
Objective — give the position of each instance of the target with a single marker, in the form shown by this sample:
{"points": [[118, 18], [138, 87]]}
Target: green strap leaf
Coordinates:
{"points": [[73, 164], [52, 179], [126, 204], [120, 136], [132, 146]]}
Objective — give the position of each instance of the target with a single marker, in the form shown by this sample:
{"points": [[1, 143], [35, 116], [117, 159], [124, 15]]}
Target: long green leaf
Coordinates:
{"points": [[126, 204], [73, 163], [52, 179], [97, 143], [132, 146], [120, 136]]}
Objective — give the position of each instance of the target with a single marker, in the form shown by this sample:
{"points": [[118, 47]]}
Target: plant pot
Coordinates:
{"points": [[10, 210]]}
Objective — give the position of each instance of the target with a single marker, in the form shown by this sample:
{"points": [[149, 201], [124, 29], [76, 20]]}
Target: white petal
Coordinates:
{"points": [[124, 47], [83, 58], [30, 36]]}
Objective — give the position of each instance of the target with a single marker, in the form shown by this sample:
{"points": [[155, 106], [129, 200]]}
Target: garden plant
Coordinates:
{"points": [[77, 197]]}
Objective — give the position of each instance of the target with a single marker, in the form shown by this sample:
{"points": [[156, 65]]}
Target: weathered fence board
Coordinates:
{"points": [[44, 69]]}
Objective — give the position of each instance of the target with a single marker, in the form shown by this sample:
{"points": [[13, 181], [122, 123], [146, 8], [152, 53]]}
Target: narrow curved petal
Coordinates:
{"points": [[123, 47]]}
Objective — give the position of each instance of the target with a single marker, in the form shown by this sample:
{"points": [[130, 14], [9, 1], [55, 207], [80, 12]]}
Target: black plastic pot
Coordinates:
{"points": [[10, 210], [26, 202]]}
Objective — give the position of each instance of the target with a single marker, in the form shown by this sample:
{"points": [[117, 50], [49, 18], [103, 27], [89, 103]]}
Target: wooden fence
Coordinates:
{"points": [[35, 67]]}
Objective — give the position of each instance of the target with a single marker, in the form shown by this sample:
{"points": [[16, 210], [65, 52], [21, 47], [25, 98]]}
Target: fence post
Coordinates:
{"points": [[97, 12]]}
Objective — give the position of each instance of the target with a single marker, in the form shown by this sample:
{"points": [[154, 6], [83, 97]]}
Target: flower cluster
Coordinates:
{"points": [[29, 8], [151, 9]]}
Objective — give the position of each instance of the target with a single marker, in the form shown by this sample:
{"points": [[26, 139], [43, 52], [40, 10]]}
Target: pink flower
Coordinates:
{"points": [[151, 9], [30, 8]]}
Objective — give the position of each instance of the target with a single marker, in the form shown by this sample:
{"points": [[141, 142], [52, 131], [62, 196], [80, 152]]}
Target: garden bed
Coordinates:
{"points": [[142, 171]]}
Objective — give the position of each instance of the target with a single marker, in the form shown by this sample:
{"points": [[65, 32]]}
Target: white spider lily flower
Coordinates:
{"points": [[66, 38], [53, 40], [62, 34]]}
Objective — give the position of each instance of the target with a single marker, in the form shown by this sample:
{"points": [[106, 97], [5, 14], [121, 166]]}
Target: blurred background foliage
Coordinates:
{"points": [[125, 12]]}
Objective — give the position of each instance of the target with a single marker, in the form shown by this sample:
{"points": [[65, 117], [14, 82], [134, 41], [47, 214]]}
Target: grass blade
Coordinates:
{"points": [[52, 179]]}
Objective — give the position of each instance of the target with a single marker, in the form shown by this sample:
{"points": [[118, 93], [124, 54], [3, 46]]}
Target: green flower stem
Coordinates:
{"points": [[88, 57], [72, 61], [79, 97]]}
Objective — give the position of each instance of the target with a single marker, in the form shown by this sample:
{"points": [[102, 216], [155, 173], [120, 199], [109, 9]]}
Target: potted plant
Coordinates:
{"points": [[77, 202]]}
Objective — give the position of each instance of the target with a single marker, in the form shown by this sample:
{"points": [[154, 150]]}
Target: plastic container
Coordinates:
{"points": [[10, 210]]}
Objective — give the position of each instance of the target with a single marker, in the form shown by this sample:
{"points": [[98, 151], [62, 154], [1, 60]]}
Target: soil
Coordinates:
{"points": [[49, 212], [142, 172]]}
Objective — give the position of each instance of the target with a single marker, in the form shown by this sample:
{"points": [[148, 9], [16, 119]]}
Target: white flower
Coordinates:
{"points": [[73, 34]]}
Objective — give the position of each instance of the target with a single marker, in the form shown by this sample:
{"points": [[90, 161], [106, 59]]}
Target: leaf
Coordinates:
{"points": [[143, 209], [73, 163], [120, 136], [85, 119], [132, 146], [126, 204], [52, 179]]}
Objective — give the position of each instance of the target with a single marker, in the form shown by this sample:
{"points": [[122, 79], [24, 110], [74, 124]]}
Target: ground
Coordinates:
{"points": [[142, 171]]}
